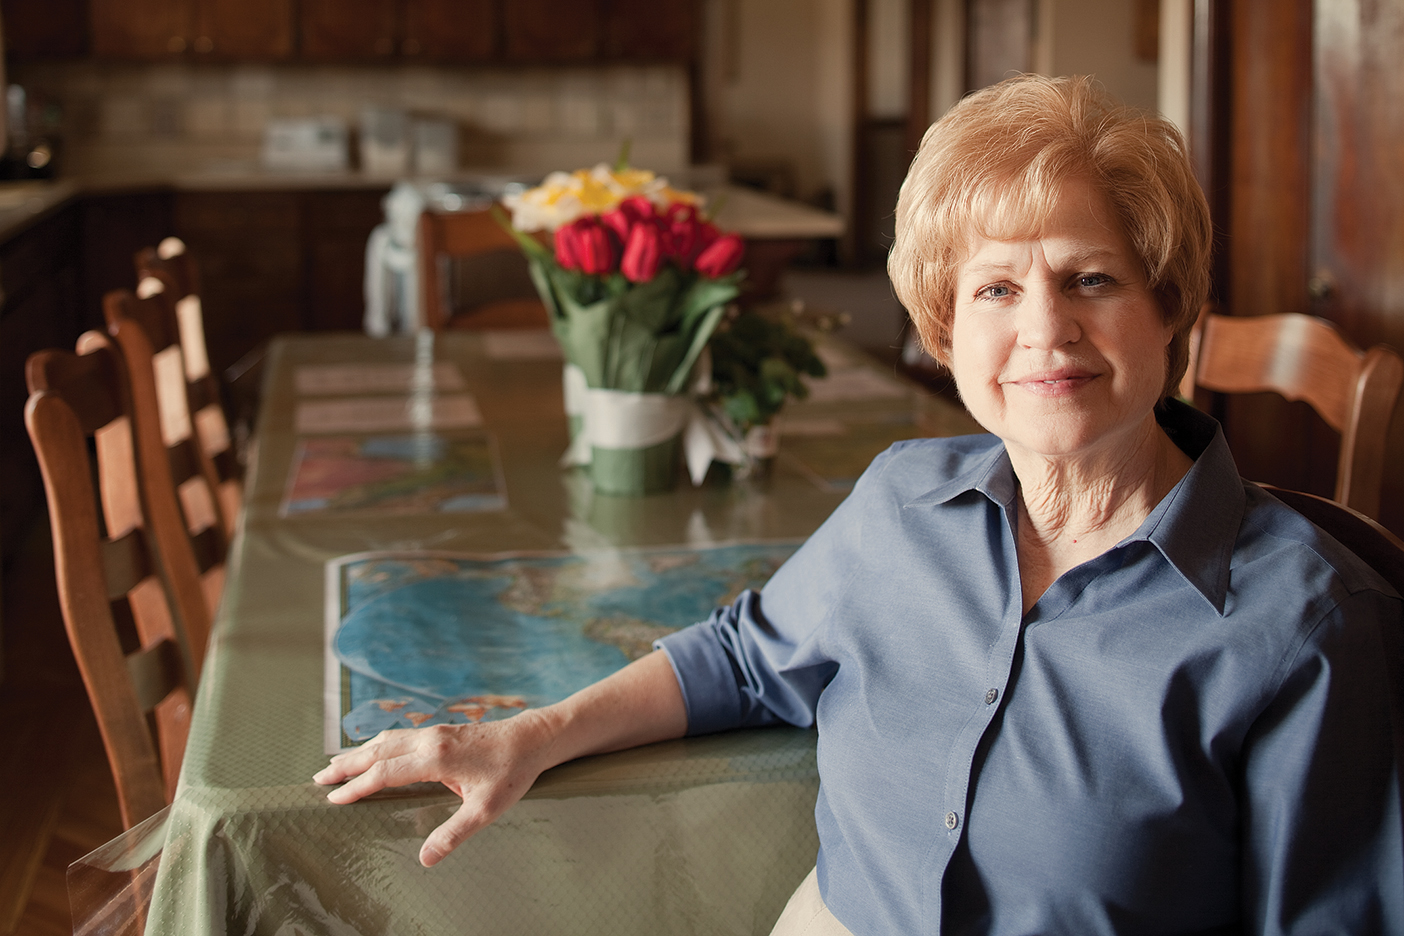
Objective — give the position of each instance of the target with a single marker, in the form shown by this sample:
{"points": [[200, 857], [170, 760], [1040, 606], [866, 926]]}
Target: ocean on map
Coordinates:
{"points": [[431, 639]]}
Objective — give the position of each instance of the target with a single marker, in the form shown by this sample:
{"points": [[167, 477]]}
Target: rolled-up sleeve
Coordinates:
{"points": [[764, 659]]}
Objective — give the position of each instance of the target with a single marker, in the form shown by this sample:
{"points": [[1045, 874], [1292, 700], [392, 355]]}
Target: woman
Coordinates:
{"points": [[1074, 676]]}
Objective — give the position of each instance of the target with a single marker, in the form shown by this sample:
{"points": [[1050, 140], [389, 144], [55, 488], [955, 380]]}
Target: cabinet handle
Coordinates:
{"points": [[1322, 285], [411, 47], [204, 45], [175, 44]]}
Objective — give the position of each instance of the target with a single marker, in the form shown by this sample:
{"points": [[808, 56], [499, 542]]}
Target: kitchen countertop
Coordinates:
{"points": [[752, 214]]}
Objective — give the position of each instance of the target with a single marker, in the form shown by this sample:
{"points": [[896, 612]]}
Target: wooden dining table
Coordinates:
{"points": [[700, 835]]}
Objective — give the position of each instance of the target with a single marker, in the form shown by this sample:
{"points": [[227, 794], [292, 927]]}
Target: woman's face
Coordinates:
{"points": [[1058, 344]]}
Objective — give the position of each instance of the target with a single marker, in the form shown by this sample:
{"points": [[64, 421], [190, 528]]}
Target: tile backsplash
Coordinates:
{"points": [[151, 120]]}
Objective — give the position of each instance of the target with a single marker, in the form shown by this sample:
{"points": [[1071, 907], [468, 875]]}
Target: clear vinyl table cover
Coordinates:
{"points": [[701, 835]]}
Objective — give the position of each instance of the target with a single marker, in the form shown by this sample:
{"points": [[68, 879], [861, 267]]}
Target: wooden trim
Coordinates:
{"points": [[919, 76], [1211, 113], [851, 242]]}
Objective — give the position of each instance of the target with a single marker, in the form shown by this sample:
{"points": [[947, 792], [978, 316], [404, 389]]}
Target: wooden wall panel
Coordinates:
{"points": [[1298, 132], [1356, 262]]}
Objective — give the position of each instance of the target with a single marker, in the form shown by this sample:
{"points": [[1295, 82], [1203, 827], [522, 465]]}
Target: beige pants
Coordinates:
{"points": [[806, 915]]}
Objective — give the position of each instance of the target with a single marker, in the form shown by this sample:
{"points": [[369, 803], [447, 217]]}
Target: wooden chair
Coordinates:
{"points": [[477, 237], [1305, 358], [131, 602], [168, 267], [146, 334]]}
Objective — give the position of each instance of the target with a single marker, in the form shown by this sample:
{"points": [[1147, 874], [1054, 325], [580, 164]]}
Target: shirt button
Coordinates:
{"points": [[952, 820], [991, 696]]}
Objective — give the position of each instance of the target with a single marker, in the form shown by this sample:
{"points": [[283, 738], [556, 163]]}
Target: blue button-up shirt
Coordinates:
{"points": [[1190, 733]]}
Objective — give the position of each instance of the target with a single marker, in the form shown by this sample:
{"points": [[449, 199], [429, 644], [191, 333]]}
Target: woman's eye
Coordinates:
{"points": [[996, 291], [1092, 280]]}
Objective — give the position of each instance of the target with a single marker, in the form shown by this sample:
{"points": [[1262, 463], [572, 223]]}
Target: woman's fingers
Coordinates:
{"points": [[342, 766], [466, 820], [400, 770]]}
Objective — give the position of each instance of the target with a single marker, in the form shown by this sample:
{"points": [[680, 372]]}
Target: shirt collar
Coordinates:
{"points": [[1194, 527]]}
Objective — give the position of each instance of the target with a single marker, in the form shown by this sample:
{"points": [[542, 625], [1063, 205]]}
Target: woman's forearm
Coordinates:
{"points": [[638, 705]]}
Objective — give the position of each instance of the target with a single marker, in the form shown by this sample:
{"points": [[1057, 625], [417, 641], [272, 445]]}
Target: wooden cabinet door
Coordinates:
{"points": [[140, 29], [243, 30], [652, 30], [338, 224], [348, 30], [553, 30], [1297, 141], [450, 30], [53, 29], [250, 249], [1355, 265]]}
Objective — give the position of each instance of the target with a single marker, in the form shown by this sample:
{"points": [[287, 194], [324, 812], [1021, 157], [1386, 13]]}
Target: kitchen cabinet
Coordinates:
{"points": [[549, 31], [39, 278], [402, 30], [439, 31], [213, 30], [340, 30], [336, 228], [552, 30], [278, 261], [652, 30], [249, 248], [450, 30], [49, 30]]}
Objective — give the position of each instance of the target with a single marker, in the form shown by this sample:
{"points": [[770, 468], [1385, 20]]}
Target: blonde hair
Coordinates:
{"points": [[993, 167]]}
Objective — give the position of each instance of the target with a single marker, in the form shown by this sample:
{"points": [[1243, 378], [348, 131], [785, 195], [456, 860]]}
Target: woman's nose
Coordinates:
{"points": [[1047, 320]]}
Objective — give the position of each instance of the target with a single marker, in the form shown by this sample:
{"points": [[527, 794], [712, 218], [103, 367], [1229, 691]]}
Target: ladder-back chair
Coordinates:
{"points": [[474, 236], [134, 613], [1301, 357], [145, 333], [169, 266]]}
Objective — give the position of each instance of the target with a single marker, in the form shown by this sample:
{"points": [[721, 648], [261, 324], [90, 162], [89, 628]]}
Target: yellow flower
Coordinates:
{"points": [[563, 197]]}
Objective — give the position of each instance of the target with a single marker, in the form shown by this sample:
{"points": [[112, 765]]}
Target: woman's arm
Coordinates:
{"points": [[491, 765]]}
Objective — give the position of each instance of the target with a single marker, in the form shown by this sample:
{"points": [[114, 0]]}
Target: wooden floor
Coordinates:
{"points": [[57, 801]]}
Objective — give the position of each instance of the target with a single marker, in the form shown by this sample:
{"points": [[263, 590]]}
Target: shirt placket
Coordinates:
{"points": [[986, 699]]}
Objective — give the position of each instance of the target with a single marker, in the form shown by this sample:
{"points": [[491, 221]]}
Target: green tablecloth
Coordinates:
{"points": [[705, 835]]}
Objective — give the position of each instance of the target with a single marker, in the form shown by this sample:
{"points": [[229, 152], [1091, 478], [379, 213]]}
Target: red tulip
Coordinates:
{"points": [[626, 214], [568, 247], [721, 257], [589, 244], [681, 212], [643, 253]]}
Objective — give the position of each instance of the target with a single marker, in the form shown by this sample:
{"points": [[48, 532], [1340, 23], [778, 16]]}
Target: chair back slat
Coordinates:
{"points": [[170, 264], [1304, 358], [162, 501], [103, 581], [1296, 356], [125, 562], [158, 387], [155, 673]]}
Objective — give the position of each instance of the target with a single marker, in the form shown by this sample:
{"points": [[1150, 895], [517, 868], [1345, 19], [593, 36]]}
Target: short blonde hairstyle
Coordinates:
{"points": [[993, 166]]}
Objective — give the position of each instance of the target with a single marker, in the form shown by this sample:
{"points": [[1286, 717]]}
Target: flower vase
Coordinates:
{"points": [[635, 440]]}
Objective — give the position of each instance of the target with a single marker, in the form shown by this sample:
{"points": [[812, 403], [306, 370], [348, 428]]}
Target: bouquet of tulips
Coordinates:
{"points": [[635, 278]]}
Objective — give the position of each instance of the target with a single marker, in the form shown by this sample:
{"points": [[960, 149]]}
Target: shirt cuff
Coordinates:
{"points": [[705, 676]]}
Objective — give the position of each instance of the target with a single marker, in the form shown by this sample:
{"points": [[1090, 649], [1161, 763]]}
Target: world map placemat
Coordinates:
{"points": [[426, 638]]}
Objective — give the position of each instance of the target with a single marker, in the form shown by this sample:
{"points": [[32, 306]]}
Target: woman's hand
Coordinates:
{"points": [[489, 765]]}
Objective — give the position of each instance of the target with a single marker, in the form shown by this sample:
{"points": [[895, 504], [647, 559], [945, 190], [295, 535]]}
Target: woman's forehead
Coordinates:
{"points": [[1076, 209]]}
